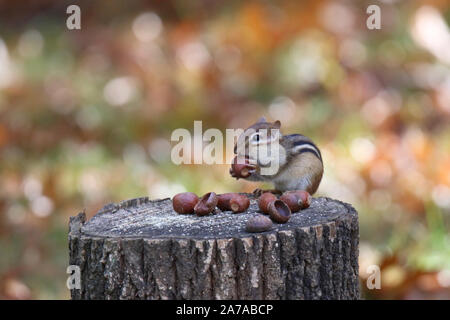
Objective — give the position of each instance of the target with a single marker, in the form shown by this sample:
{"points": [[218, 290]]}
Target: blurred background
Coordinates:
{"points": [[86, 118]]}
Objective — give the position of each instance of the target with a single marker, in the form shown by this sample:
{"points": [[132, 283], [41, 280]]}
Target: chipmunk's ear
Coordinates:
{"points": [[261, 120], [277, 124]]}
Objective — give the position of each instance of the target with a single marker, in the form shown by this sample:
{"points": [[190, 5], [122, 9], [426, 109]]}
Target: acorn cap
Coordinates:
{"points": [[206, 204], [279, 211]]}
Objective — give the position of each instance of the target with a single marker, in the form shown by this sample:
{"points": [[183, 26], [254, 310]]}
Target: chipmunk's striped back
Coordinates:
{"points": [[304, 166], [301, 144]]}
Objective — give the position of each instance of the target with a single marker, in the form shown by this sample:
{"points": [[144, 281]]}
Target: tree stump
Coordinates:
{"points": [[142, 249]]}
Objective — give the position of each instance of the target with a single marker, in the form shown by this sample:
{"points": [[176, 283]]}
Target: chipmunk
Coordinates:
{"points": [[299, 167]]}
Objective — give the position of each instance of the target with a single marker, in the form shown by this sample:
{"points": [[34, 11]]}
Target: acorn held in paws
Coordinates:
{"points": [[206, 204], [184, 202], [241, 168]]}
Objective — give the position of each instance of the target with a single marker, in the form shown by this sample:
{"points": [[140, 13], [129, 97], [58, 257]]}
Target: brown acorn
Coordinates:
{"points": [[293, 201], [223, 202], [241, 170], [279, 211], [233, 201], [296, 199], [239, 203], [258, 223], [264, 200], [184, 202], [206, 204], [305, 198]]}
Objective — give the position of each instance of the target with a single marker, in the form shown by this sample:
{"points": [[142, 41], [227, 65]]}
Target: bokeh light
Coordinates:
{"points": [[86, 118]]}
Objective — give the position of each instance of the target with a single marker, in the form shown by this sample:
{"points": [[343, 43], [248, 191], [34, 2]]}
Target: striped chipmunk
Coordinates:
{"points": [[298, 161]]}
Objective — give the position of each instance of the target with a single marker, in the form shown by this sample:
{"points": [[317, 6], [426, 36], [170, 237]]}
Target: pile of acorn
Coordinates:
{"points": [[188, 202], [279, 210]]}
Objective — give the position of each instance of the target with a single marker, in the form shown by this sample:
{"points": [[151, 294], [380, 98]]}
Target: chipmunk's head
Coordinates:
{"points": [[259, 135]]}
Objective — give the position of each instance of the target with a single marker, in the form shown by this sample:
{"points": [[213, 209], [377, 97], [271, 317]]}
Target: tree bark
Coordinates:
{"points": [[142, 249]]}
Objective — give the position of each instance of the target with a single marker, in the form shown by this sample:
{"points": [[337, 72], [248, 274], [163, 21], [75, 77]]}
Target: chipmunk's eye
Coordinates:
{"points": [[256, 137]]}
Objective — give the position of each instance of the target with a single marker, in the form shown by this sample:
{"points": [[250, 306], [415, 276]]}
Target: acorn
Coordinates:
{"points": [[296, 199], [279, 211], [223, 202], [241, 170], [258, 223], [264, 200], [239, 203], [206, 204], [233, 201], [305, 198], [293, 201], [184, 202]]}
